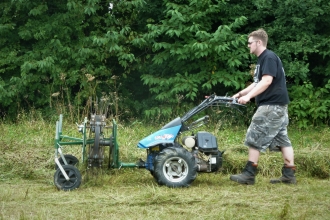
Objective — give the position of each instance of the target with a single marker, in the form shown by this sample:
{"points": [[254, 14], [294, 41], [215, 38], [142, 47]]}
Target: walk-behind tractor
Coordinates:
{"points": [[172, 159]]}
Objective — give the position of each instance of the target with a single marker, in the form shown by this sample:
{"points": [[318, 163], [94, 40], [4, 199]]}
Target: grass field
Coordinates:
{"points": [[27, 190]]}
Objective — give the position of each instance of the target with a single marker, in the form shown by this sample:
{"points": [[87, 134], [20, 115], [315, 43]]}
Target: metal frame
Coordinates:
{"points": [[64, 140], [115, 153]]}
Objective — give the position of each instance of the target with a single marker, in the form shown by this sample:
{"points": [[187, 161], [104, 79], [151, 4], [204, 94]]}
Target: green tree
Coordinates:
{"points": [[193, 53], [196, 38], [299, 33], [59, 47], [157, 57]]}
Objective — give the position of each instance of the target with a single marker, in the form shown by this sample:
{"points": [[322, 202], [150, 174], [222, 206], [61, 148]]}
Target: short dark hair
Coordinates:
{"points": [[260, 34]]}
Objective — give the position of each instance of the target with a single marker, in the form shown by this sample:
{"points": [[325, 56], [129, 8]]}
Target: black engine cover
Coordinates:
{"points": [[206, 142]]}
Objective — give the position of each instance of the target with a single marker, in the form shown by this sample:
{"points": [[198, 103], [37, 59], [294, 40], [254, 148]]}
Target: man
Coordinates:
{"points": [[268, 128]]}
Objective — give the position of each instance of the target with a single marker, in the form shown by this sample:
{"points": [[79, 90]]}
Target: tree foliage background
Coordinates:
{"points": [[153, 59]]}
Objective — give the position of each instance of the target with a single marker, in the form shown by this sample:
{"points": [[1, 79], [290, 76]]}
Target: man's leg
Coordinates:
{"points": [[288, 155], [249, 172], [253, 155], [289, 169]]}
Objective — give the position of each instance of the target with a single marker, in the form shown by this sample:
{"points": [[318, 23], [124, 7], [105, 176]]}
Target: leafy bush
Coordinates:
{"points": [[310, 105]]}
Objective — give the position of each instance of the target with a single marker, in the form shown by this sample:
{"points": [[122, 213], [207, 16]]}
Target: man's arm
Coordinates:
{"points": [[249, 93], [245, 91]]}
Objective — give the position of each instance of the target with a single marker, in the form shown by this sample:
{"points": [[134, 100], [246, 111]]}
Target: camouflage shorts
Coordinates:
{"points": [[268, 128]]}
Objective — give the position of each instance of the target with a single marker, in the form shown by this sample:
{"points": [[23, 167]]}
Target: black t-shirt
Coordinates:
{"points": [[276, 94]]}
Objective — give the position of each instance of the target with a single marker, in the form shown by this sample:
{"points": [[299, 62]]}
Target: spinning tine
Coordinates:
{"points": [[96, 105], [91, 103]]}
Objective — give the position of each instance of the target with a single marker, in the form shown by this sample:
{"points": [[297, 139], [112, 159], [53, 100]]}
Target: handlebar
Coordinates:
{"points": [[212, 100], [222, 100]]}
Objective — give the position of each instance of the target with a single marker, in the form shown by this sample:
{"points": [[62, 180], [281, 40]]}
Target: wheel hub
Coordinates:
{"points": [[175, 169]]}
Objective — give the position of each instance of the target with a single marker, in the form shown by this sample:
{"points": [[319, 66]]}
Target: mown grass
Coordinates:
{"points": [[27, 190]]}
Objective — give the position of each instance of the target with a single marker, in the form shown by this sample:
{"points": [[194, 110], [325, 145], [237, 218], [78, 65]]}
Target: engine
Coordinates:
{"points": [[204, 147]]}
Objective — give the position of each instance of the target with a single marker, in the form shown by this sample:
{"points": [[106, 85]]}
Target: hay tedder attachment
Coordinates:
{"points": [[93, 143]]}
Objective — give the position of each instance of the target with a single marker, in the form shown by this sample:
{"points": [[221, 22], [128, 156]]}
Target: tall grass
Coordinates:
{"points": [[27, 190]]}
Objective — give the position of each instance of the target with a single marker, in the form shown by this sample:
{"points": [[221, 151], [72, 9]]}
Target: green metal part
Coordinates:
{"points": [[117, 163], [63, 140]]}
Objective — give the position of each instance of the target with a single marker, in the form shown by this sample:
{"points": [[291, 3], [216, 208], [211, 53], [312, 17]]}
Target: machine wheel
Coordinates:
{"points": [[75, 178], [175, 167], [70, 159], [96, 151]]}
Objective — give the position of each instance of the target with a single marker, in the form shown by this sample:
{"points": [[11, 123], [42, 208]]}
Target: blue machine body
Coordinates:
{"points": [[165, 135]]}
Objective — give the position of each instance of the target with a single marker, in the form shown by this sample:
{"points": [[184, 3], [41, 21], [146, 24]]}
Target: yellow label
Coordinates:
{"points": [[155, 148]]}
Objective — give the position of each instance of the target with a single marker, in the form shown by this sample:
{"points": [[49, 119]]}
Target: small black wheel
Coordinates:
{"points": [[74, 178], [70, 159], [175, 167]]}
